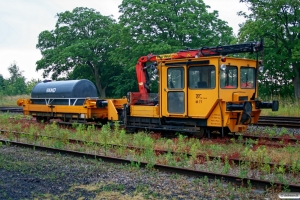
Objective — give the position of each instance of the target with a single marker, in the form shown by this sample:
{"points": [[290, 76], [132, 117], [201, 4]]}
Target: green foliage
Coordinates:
{"points": [[2, 84], [15, 84], [161, 27], [30, 85], [280, 28], [78, 48]]}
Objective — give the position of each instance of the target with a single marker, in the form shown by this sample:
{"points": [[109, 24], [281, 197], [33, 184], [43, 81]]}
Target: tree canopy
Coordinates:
{"points": [[78, 47], [279, 25], [163, 26], [15, 84]]}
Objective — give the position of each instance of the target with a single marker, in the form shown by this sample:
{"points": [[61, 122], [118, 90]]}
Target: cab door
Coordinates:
{"points": [[173, 91]]}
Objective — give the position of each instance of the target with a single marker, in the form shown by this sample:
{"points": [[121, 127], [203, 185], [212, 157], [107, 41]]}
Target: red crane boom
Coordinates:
{"points": [[141, 68]]}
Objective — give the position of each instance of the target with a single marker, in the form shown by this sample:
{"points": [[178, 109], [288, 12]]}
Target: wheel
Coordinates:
{"points": [[200, 134]]}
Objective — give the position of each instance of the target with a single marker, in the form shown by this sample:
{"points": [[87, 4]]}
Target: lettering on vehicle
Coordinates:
{"points": [[215, 119], [198, 96], [50, 90], [167, 56]]}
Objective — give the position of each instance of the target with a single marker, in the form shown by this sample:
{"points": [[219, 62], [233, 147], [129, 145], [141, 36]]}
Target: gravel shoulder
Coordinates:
{"points": [[29, 174]]}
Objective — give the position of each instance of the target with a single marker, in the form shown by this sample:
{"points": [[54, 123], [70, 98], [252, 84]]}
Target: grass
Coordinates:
{"points": [[11, 100], [288, 106]]}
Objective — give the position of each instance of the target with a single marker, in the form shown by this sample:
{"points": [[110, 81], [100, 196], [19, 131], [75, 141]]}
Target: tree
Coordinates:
{"points": [[163, 26], [279, 25], [78, 45], [30, 84], [15, 85], [2, 84]]}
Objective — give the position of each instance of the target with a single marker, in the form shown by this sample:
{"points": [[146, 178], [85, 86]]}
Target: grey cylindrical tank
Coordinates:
{"points": [[63, 89]]}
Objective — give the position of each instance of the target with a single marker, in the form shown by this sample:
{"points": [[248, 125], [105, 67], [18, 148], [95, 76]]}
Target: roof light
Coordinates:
{"points": [[223, 59]]}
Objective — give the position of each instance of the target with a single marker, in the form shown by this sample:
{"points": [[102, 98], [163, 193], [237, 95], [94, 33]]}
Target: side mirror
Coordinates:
{"points": [[261, 69], [223, 67]]}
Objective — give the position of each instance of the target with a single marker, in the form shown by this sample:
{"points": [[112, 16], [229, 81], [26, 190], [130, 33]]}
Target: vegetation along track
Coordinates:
{"points": [[234, 179], [201, 158]]}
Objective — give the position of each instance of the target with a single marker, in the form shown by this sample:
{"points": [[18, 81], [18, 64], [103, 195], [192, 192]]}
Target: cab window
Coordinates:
{"points": [[202, 77], [247, 77], [228, 78], [176, 82], [176, 78]]}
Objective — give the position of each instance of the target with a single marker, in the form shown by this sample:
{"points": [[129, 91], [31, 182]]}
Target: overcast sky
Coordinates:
{"points": [[21, 21]]}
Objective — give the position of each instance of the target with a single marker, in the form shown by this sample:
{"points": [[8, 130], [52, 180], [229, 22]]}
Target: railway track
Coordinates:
{"points": [[288, 122], [11, 109], [269, 140], [259, 184], [201, 157]]}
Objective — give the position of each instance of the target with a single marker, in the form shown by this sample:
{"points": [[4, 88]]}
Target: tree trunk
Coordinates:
{"points": [[97, 80], [103, 93], [98, 84]]}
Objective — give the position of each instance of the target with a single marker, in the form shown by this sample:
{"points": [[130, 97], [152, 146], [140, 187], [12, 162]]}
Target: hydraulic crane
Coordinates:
{"points": [[223, 50]]}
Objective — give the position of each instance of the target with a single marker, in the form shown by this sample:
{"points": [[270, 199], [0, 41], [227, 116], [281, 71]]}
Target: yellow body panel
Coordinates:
{"points": [[215, 119], [57, 110], [222, 118], [201, 101], [230, 118], [118, 103], [112, 111], [88, 110], [144, 111], [113, 105]]}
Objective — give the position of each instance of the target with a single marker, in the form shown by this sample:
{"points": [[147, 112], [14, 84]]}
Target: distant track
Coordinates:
{"points": [[279, 121], [11, 109]]}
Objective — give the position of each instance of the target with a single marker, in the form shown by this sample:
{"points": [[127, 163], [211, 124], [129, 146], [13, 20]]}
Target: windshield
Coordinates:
{"points": [[247, 79], [228, 78]]}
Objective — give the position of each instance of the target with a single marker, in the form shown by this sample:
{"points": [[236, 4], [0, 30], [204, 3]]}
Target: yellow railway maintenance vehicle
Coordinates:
{"points": [[200, 91]]}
